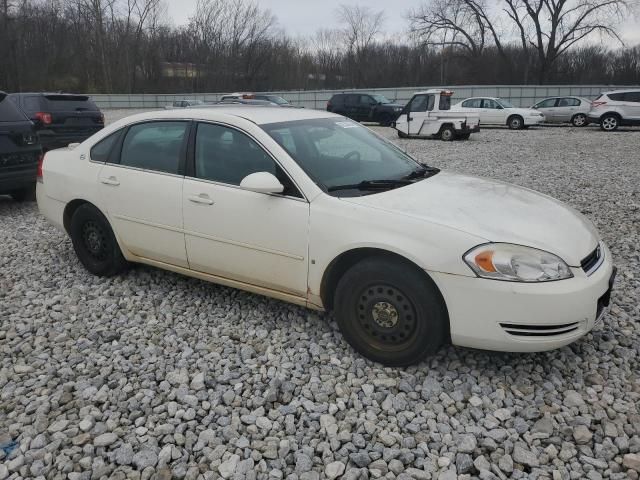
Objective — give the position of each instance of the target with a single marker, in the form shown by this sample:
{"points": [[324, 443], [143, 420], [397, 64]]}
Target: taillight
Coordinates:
{"points": [[597, 104], [329, 104], [44, 118], [40, 164]]}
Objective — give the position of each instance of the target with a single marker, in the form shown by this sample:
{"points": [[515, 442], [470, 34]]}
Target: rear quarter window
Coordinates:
{"points": [[10, 112]]}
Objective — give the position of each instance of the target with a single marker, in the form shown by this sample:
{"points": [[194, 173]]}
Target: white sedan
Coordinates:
{"points": [[317, 210], [498, 111]]}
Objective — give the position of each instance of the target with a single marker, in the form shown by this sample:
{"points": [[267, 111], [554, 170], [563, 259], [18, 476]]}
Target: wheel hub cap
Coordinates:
{"points": [[385, 314], [94, 240]]}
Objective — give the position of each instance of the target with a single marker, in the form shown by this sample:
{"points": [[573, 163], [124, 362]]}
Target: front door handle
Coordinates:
{"points": [[203, 199], [113, 181]]}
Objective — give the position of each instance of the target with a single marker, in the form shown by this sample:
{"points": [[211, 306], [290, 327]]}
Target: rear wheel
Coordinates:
{"points": [[390, 312], [609, 122], [515, 122], [464, 136], [26, 194], [401, 134], [579, 120], [447, 134], [94, 242]]}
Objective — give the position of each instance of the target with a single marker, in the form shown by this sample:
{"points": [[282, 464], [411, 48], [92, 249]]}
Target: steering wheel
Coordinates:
{"points": [[352, 154]]}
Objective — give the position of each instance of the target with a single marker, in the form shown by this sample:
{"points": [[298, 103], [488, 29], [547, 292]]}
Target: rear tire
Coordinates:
{"points": [[464, 136], [94, 242], [609, 122], [27, 194], [515, 122], [390, 312], [401, 134], [447, 134], [580, 120]]}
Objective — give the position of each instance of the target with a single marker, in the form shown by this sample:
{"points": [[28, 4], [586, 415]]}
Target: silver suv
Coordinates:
{"points": [[614, 109]]}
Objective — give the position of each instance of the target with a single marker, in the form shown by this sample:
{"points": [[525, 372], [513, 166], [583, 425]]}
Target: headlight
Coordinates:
{"points": [[515, 263]]}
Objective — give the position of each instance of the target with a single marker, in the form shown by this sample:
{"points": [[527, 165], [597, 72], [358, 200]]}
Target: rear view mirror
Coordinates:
{"points": [[262, 182]]}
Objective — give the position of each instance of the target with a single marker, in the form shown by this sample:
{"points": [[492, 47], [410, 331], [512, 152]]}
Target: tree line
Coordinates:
{"points": [[130, 46]]}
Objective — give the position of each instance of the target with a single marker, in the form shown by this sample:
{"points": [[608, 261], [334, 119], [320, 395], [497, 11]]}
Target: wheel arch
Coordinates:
{"points": [[610, 113], [71, 208], [340, 264]]}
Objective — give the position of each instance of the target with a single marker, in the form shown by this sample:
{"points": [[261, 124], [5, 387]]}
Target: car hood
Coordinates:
{"points": [[494, 210], [391, 105]]}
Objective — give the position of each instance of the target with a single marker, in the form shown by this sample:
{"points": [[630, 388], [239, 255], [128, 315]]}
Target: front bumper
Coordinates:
{"points": [[533, 120], [520, 317]]}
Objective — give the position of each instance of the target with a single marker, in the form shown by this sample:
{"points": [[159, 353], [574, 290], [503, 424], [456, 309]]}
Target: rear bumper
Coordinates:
{"points": [[17, 180], [516, 317]]}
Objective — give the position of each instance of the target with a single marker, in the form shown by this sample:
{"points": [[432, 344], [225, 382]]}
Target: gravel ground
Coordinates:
{"points": [[153, 375]]}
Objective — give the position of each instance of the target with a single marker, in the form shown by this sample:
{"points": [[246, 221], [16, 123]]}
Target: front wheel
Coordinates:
{"points": [[94, 242], [579, 120], [447, 134], [515, 122], [609, 123], [464, 136], [390, 312]]}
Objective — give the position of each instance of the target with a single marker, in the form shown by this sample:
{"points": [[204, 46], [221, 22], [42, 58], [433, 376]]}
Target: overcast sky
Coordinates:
{"points": [[303, 17]]}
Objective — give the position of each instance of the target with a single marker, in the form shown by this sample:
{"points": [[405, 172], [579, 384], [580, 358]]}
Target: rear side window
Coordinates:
{"points": [[632, 97], [154, 146], [568, 102], [351, 99], [32, 104], [100, 151], [548, 103], [337, 99], [618, 97], [9, 112], [69, 103], [445, 102]]}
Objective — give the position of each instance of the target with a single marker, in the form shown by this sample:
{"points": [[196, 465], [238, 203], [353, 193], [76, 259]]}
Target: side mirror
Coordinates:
{"points": [[262, 182]]}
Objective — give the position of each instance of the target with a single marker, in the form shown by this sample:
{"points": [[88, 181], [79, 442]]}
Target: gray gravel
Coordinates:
{"points": [[153, 375]]}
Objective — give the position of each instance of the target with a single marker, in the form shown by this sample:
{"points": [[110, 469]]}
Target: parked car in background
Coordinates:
{"points": [[428, 115], [276, 99], [407, 256], [616, 108], [239, 101], [365, 107], [184, 104], [572, 110], [19, 152], [498, 111], [60, 118]]}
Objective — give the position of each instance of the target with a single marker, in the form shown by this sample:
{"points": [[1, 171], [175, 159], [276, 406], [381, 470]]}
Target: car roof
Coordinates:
{"points": [[622, 91], [260, 115]]}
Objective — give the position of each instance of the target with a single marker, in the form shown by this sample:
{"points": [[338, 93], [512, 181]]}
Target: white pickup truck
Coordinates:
{"points": [[428, 115]]}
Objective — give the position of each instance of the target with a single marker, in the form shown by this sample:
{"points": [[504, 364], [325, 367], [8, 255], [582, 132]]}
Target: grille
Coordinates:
{"points": [[591, 262], [539, 330]]}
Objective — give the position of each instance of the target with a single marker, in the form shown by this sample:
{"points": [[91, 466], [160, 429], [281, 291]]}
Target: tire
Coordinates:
{"points": [[385, 120], [94, 242], [579, 120], [447, 134], [464, 136], [390, 312], [401, 134], [610, 122], [27, 194], [515, 122]]}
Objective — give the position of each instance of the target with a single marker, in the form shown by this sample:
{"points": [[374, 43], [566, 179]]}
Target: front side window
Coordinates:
{"points": [[154, 146], [489, 103], [100, 151], [227, 155], [336, 152], [568, 102], [548, 103], [502, 103], [419, 103], [473, 103]]}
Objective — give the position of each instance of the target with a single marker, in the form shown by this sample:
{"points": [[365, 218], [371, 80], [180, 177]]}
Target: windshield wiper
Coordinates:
{"points": [[423, 171], [373, 185]]}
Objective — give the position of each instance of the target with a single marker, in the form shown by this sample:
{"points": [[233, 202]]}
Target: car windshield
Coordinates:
{"points": [[337, 153], [276, 99], [381, 99], [504, 103]]}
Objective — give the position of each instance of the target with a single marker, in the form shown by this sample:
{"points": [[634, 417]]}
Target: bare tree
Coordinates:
{"points": [[548, 28], [360, 26]]}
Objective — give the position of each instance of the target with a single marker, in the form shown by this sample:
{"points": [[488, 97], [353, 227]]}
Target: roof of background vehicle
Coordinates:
{"points": [[622, 91], [260, 115], [44, 94]]}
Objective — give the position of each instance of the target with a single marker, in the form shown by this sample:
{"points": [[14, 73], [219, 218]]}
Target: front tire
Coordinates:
{"points": [[579, 120], [609, 123], [447, 134], [401, 134], [515, 122], [94, 242], [390, 312]]}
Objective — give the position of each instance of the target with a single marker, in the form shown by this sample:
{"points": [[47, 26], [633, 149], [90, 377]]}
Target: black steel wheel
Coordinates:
{"points": [[390, 311], [94, 242]]}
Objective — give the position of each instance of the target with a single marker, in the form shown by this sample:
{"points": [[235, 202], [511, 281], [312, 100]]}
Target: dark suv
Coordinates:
{"points": [[365, 107], [19, 152], [60, 118]]}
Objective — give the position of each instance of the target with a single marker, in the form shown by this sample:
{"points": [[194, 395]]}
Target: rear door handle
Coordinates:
{"points": [[203, 199], [110, 181]]}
